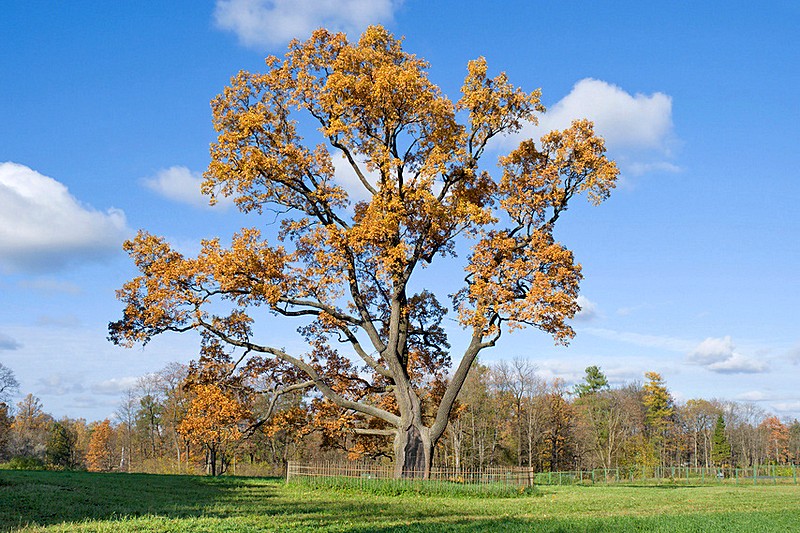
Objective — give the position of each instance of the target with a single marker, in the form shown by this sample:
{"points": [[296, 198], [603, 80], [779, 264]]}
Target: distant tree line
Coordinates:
{"points": [[207, 418]]}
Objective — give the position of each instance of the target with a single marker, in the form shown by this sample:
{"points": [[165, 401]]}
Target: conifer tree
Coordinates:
{"points": [[720, 447]]}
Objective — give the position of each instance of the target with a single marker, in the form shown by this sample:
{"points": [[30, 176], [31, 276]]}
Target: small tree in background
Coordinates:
{"points": [[776, 435], [213, 421], [30, 429], [8, 383], [720, 447], [100, 457], [60, 446], [660, 409], [594, 381]]}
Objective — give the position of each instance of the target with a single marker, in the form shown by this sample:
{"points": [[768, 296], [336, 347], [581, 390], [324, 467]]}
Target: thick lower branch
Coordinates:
{"points": [[323, 387], [454, 387], [379, 432]]}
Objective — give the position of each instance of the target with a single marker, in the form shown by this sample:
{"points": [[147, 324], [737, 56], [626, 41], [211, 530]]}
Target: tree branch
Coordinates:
{"points": [[323, 387]]}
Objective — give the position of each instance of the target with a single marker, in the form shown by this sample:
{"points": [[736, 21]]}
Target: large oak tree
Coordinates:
{"points": [[344, 268]]}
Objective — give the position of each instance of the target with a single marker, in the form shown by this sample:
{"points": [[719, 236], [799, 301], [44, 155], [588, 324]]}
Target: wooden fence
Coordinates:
{"points": [[512, 476]]}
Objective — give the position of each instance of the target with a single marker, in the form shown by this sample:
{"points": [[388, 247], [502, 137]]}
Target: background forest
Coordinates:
{"points": [[191, 419]]}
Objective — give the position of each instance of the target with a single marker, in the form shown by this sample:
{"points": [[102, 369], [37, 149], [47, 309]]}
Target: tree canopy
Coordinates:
{"points": [[342, 267]]}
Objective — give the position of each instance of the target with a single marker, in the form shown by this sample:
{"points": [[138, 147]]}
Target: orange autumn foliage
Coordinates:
{"points": [[213, 418], [100, 457]]}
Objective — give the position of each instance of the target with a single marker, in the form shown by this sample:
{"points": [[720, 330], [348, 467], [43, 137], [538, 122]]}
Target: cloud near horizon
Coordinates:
{"points": [[114, 386], [43, 227], [265, 23], [720, 355]]}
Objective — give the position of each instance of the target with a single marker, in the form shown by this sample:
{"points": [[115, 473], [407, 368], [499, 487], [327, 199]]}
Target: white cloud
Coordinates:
{"points": [[638, 339], [43, 227], [57, 385], [114, 386], [346, 177], [637, 128], [712, 350], [66, 320], [752, 396], [262, 23], [7, 343], [588, 309], [720, 355], [180, 184], [624, 120], [50, 285], [790, 407]]}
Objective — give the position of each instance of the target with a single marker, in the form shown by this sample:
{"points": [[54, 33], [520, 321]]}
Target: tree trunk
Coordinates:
{"points": [[413, 451], [212, 460]]}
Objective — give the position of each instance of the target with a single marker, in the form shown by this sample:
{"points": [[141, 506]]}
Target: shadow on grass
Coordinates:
{"points": [[48, 498]]}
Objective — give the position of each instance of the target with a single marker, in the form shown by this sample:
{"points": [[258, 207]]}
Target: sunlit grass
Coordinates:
{"points": [[65, 501]]}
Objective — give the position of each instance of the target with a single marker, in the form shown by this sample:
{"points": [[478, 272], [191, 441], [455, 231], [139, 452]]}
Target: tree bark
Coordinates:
{"points": [[413, 452]]}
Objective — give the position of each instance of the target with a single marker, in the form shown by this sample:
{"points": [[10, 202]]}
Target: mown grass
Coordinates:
{"points": [[65, 501]]}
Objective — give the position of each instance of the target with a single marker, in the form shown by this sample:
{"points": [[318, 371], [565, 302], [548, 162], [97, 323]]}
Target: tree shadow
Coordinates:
{"points": [[49, 498]]}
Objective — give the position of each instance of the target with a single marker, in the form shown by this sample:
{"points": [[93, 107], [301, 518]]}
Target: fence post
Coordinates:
{"points": [[289, 466]]}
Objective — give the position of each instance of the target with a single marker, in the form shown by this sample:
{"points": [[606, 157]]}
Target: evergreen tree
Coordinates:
{"points": [[594, 381], [720, 447], [60, 446]]}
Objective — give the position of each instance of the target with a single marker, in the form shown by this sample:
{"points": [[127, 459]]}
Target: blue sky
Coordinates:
{"points": [[691, 266]]}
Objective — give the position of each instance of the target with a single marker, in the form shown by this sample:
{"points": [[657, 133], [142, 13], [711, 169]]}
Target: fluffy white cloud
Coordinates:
{"points": [[624, 120], [43, 227], [260, 23], [720, 355], [180, 184], [637, 127], [588, 309]]}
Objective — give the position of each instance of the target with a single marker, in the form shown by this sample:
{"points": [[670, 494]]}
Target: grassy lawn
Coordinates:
{"points": [[55, 501]]}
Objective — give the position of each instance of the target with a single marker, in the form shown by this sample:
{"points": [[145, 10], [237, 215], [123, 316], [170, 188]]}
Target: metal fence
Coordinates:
{"points": [[759, 475], [511, 476]]}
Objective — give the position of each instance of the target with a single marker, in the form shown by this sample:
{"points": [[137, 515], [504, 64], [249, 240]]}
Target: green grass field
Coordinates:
{"points": [[74, 501]]}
